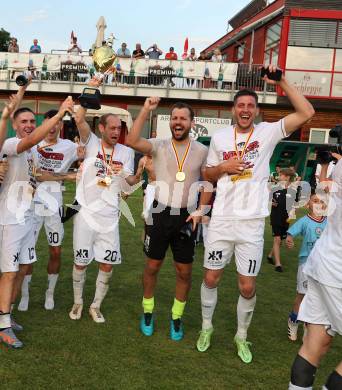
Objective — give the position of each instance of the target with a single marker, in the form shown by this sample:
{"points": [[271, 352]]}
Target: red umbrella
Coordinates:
{"points": [[186, 48]]}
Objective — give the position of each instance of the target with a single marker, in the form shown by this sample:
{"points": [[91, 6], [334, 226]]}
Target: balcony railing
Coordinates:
{"points": [[130, 73]]}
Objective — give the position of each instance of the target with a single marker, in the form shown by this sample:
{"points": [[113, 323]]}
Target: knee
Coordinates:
{"points": [[80, 267], [184, 276], [247, 290], [277, 240], [106, 267], [151, 269], [211, 279]]}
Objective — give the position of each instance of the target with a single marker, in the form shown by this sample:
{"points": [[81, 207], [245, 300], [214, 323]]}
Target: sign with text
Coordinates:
{"points": [[204, 127]]}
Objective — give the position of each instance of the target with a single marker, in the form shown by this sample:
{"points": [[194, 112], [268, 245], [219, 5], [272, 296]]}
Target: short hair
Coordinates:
{"points": [[103, 118], [180, 105], [246, 92], [288, 172], [20, 111], [50, 114]]}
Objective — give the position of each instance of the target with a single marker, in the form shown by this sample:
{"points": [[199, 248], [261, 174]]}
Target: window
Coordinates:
{"points": [[320, 136], [272, 43], [240, 52]]}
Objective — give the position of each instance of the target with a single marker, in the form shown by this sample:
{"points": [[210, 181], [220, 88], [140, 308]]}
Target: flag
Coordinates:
{"points": [[186, 48]]}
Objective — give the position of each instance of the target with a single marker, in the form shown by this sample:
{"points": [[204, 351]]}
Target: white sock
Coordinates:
{"points": [[25, 287], [102, 286], [208, 303], [245, 308], [294, 387], [78, 280], [5, 321], [52, 280]]}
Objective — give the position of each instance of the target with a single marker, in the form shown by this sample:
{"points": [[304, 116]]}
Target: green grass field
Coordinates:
{"points": [[64, 354]]}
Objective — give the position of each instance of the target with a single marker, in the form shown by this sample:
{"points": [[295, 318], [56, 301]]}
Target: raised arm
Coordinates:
{"points": [[10, 107], [20, 94], [41, 132], [303, 108], [134, 138]]}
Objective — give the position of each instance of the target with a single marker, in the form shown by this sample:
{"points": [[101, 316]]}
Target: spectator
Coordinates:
{"points": [[35, 48], [153, 52], [13, 46], [202, 56], [74, 48], [171, 55], [123, 52], [192, 56], [138, 52], [217, 56]]}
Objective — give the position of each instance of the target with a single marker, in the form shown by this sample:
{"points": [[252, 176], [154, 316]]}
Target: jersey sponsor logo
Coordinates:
{"points": [[215, 256], [82, 254], [252, 151], [45, 153]]}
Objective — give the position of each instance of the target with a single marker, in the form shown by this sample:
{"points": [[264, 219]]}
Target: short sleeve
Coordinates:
{"points": [[129, 162], [275, 132], [10, 147], [213, 158], [296, 228]]}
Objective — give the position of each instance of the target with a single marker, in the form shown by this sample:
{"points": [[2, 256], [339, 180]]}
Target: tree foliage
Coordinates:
{"points": [[4, 39]]}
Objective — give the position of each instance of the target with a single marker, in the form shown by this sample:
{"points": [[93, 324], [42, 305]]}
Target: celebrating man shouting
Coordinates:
{"points": [[238, 160]]}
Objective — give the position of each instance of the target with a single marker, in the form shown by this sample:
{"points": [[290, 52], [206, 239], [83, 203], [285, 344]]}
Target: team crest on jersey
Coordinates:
{"points": [[318, 231]]}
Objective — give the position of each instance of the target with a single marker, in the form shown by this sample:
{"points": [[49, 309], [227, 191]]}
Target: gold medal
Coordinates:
{"points": [[180, 176], [105, 181]]}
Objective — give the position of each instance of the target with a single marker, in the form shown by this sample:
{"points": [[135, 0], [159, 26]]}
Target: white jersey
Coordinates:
{"points": [[244, 196], [331, 167], [325, 261], [94, 198], [55, 158], [18, 186]]}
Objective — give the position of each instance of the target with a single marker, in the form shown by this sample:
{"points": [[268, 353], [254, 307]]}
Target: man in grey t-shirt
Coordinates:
{"points": [[178, 162]]}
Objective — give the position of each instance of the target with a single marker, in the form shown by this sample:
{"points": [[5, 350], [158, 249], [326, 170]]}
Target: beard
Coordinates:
{"points": [[181, 137]]}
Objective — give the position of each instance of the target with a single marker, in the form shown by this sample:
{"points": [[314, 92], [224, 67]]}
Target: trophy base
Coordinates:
{"points": [[90, 98]]}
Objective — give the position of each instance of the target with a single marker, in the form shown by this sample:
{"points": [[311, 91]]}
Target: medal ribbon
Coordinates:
{"points": [[107, 162], [180, 163], [241, 154]]}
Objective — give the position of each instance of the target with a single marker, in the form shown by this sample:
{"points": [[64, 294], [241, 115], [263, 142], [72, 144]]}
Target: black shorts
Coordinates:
{"points": [[167, 230], [280, 230]]}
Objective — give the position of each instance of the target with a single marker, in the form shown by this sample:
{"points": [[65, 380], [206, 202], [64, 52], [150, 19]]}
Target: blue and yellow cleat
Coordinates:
{"points": [[147, 324], [176, 330]]}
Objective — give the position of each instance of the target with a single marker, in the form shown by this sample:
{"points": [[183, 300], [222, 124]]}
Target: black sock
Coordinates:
{"points": [[334, 381]]}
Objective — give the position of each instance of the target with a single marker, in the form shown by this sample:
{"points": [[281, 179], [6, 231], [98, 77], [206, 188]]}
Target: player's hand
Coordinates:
{"points": [[10, 106], [67, 105], [3, 170], [95, 82], [233, 166], [151, 103], [71, 176], [195, 218], [289, 242], [271, 69], [274, 203], [336, 155], [116, 168]]}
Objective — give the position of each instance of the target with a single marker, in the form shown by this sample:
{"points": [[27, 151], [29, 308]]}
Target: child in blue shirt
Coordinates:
{"points": [[310, 228]]}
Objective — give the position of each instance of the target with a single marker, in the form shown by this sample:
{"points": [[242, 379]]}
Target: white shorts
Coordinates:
{"points": [[54, 229], [90, 244], [302, 280], [17, 246], [322, 305], [244, 238]]}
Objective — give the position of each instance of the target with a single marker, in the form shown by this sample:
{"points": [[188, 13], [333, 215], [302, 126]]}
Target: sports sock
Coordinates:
{"points": [[52, 280], [78, 280], [177, 309], [245, 309], [293, 316], [102, 286], [148, 304], [208, 303], [5, 320], [25, 287]]}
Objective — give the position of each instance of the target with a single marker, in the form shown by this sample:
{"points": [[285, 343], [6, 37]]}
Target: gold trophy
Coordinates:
{"points": [[103, 58]]}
